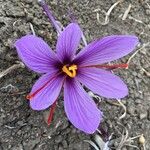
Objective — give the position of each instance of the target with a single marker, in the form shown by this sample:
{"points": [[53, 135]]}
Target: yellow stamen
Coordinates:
{"points": [[70, 71]]}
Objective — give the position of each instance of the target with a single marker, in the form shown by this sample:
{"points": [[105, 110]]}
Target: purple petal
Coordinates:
{"points": [[107, 49], [80, 108], [48, 95], [36, 54], [68, 42], [102, 82]]}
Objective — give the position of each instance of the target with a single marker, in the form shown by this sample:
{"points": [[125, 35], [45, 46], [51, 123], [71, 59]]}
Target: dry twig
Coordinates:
{"points": [[136, 20], [148, 5], [109, 12], [126, 12], [92, 95], [124, 107], [12, 68], [99, 141], [132, 56], [32, 29], [146, 72]]}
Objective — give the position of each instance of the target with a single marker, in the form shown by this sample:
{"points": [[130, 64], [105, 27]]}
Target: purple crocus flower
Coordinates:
{"points": [[68, 69]]}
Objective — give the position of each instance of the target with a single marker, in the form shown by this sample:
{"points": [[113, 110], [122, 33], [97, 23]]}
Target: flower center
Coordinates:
{"points": [[70, 71]]}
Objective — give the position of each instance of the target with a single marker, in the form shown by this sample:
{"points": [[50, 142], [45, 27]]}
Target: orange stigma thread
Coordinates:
{"points": [[70, 71]]}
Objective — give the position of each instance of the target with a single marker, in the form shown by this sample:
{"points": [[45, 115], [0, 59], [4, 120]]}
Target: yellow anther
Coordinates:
{"points": [[70, 71]]}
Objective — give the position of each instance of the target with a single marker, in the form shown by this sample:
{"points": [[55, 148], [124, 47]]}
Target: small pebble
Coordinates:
{"points": [[58, 139], [143, 115], [138, 101], [141, 139], [124, 148], [60, 148], [147, 12], [131, 110], [29, 1], [64, 143]]}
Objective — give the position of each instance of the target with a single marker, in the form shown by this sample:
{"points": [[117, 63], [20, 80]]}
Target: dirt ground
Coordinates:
{"points": [[24, 129]]}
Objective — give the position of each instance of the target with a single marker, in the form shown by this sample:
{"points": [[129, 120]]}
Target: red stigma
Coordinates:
{"points": [[30, 96], [50, 117], [113, 66]]}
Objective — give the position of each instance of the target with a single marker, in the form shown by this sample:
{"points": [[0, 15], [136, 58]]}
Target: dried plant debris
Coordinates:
{"points": [[108, 13], [98, 143], [92, 144], [32, 29], [137, 51], [91, 94], [125, 140], [126, 12], [145, 71], [9, 89], [12, 68], [124, 108], [136, 20]]}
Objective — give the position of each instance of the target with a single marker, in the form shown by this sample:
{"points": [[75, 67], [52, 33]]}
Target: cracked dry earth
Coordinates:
{"points": [[24, 129]]}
